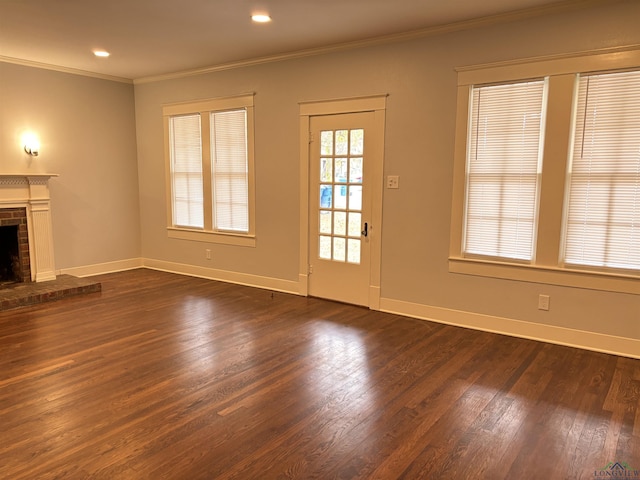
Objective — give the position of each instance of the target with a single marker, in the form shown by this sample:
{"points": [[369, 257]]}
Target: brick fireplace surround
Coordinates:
{"points": [[30, 193], [24, 201]]}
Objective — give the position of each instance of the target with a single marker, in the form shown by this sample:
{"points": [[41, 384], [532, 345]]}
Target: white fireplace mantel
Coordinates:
{"points": [[31, 191]]}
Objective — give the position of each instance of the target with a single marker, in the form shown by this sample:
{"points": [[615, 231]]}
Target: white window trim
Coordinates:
{"points": [[208, 234], [547, 267]]}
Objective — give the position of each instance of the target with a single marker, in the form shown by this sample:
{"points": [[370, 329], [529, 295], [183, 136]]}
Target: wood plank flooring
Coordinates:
{"points": [[162, 376]]}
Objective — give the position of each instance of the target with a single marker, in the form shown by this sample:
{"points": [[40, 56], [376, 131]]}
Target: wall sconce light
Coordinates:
{"points": [[31, 145]]}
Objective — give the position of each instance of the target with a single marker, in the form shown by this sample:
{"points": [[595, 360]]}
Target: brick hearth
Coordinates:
{"points": [[32, 293]]}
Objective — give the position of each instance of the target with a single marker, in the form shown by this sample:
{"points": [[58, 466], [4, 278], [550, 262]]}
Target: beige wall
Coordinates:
{"points": [[420, 79], [87, 133]]}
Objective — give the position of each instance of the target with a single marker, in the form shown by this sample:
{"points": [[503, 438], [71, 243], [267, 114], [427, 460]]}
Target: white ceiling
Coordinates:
{"points": [[155, 37]]}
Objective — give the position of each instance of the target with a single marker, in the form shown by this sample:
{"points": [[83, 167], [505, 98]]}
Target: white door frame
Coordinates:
{"points": [[377, 105]]}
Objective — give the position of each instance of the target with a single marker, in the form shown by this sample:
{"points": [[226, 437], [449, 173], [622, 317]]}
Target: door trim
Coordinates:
{"points": [[377, 105]]}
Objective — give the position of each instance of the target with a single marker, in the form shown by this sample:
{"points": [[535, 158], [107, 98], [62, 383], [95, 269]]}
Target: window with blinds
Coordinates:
{"points": [[603, 213], [186, 171], [230, 172], [210, 166], [504, 157]]}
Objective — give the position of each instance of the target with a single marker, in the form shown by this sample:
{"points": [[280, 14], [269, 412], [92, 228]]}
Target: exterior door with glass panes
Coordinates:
{"points": [[339, 208]]}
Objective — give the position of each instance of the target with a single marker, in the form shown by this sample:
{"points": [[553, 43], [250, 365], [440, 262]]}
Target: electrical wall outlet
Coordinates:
{"points": [[393, 181], [543, 302], [207, 254]]}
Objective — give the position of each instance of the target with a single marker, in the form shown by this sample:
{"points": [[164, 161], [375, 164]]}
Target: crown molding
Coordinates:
{"points": [[626, 50], [58, 68]]}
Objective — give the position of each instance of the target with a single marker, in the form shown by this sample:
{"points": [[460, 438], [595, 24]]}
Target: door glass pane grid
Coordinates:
{"points": [[341, 175]]}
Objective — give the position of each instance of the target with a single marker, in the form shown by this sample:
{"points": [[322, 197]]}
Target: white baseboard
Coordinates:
{"points": [[102, 268], [246, 279], [626, 347]]}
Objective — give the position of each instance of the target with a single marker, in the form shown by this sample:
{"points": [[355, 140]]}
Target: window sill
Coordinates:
{"points": [[593, 280], [239, 239]]}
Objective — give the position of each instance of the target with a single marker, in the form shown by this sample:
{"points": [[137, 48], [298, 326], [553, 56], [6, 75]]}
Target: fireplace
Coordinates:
{"points": [[15, 265], [26, 240]]}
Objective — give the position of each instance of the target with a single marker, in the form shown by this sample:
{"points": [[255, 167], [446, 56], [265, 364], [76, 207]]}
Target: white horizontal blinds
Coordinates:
{"points": [[503, 169], [603, 217], [186, 171], [230, 170]]}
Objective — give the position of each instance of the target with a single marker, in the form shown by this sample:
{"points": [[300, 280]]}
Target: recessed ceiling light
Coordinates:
{"points": [[261, 18], [101, 53]]}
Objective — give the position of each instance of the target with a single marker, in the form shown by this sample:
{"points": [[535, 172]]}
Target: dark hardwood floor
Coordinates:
{"points": [[164, 376]]}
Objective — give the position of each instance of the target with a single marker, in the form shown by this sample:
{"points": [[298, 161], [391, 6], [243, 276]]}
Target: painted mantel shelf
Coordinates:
{"points": [[31, 191]]}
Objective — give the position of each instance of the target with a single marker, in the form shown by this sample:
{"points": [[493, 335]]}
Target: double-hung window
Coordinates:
{"points": [[547, 171], [603, 217], [210, 170], [503, 169], [186, 171]]}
